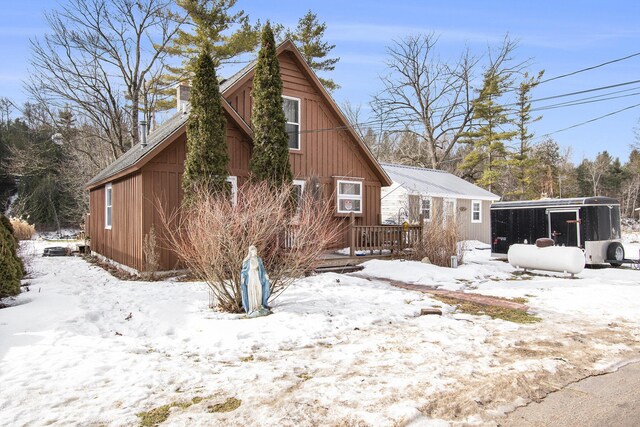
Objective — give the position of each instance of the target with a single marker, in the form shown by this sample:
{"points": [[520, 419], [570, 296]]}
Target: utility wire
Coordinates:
{"points": [[579, 102], [590, 68], [592, 120]]}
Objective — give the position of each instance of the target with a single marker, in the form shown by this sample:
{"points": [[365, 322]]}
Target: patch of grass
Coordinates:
{"points": [[231, 404], [495, 312], [304, 376], [248, 358], [160, 414]]}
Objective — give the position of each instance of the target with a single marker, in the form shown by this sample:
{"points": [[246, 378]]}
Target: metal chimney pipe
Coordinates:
{"points": [[143, 133]]}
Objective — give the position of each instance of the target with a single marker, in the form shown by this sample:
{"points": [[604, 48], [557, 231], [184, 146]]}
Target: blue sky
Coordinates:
{"points": [[558, 36]]}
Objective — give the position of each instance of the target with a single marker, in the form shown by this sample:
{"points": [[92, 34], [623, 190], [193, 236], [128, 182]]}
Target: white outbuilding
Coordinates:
{"points": [[437, 196]]}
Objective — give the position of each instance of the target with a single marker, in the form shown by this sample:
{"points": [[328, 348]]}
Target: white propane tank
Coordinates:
{"points": [[565, 259]]}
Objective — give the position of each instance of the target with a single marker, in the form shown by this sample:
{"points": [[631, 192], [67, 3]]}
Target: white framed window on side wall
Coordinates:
{"points": [[233, 180], [349, 196], [108, 206], [425, 208], [291, 107], [476, 211], [298, 190]]}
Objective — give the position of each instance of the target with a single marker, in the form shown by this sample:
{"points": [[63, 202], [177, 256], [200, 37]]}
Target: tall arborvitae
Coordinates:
{"points": [[207, 154], [308, 37], [11, 267], [488, 155], [522, 161], [270, 159]]}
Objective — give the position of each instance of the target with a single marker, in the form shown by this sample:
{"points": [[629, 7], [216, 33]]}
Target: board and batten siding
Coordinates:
{"points": [[162, 183], [326, 151], [123, 242]]}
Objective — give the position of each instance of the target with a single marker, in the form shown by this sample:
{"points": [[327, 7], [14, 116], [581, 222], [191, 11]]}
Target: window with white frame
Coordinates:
{"points": [[233, 181], [349, 196], [291, 107], [108, 205], [298, 191], [425, 208], [448, 209], [476, 211]]}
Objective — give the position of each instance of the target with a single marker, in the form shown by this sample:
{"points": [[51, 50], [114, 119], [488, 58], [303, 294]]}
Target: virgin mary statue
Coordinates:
{"points": [[254, 285]]}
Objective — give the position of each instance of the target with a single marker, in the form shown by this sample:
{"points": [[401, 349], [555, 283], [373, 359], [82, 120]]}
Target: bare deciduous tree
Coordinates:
{"points": [[211, 236], [431, 98], [96, 59]]}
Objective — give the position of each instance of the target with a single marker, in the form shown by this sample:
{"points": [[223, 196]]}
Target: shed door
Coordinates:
{"points": [[564, 227]]}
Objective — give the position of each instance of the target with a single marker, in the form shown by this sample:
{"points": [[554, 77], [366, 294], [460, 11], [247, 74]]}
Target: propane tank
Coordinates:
{"points": [[564, 259]]}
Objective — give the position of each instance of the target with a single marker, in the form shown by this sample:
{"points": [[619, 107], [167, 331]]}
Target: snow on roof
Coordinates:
{"points": [[435, 183]]}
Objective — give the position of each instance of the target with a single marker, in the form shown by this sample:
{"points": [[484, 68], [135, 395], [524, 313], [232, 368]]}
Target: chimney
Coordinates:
{"points": [[143, 133], [182, 96]]}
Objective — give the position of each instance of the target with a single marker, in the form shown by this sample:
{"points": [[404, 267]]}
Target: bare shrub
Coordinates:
{"points": [[22, 229], [151, 255], [211, 237], [439, 241]]}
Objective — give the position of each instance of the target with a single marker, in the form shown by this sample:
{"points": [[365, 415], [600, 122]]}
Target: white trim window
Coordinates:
{"points": [[476, 211], [425, 208], [298, 190], [448, 209], [349, 196], [233, 180], [108, 206], [291, 107]]}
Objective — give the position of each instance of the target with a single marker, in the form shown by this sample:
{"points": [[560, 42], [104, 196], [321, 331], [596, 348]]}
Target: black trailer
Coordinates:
{"points": [[590, 223]]}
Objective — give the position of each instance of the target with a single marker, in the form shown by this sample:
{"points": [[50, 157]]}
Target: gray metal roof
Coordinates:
{"points": [[435, 183], [137, 153]]}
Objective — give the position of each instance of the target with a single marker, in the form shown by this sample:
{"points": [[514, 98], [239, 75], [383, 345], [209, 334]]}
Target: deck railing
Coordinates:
{"points": [[383, 238]]}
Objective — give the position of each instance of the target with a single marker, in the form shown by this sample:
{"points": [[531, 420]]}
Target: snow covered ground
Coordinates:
{"points": [[84, 348]]}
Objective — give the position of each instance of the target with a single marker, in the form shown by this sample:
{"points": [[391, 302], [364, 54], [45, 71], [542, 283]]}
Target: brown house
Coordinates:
{"points": [[123, 196]]}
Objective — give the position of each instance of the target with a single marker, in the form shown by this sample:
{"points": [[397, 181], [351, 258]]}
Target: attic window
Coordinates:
{"points": [[291, 107]]}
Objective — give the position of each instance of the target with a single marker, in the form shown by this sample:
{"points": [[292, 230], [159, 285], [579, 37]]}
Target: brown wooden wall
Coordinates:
{"points": [[325, 152], [123, 242]]}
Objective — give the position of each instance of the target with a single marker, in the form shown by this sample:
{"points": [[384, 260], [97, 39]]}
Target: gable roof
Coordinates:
{"points": [[436, 183], [137, 156]]}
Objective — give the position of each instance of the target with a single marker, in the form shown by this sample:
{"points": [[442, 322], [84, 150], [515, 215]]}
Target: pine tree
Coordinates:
{"points": [[487, 158], [308, 38], [212, 25], [11, 267], [207, 153], [270, 159], [522, 161]]}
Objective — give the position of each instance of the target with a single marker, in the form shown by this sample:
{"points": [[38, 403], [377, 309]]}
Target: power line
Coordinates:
{"points": [[590, 68], [581, 102], [591, 120], [580, 92]]}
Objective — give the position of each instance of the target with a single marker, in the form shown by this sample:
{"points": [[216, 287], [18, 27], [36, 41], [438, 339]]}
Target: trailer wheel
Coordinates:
{"points": [[615, 250]]}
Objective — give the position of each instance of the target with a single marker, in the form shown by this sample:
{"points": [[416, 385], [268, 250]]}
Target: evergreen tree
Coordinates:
{"points": [[308, 38], [11, 267], [545, 178], [270, 159], [213, 25], [486, 161], [522, 161], [49, 191], [207, 153]]}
